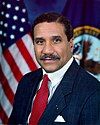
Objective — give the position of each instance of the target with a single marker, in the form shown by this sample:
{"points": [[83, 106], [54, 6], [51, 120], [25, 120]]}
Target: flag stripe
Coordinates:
{"points": [[8, 74], [30, 47], [15, 52], [6, 87], [1, 122], [18, 75], [26, 55], [6, 105], [3, 115]]}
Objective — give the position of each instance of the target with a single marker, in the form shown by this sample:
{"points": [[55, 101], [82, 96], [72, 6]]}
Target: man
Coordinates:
{"points": [[74, 95]]}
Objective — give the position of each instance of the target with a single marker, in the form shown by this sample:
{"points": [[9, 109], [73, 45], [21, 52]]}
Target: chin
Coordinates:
{"points": [[50, 70]]}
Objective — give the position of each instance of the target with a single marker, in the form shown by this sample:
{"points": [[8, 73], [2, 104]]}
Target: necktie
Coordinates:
{"points": [[40, 102]]}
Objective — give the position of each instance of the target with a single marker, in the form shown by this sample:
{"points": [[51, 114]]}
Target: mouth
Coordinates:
{"points": [[49, 61], [50, 58]]}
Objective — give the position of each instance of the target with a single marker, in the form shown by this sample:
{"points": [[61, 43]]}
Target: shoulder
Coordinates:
{"points": [[32, 75], [87, 82], [82, 75], [83, 80], [87, 76], [29, 78]]}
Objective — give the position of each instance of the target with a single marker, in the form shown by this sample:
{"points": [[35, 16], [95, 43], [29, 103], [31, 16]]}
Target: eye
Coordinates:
{"points": [[57, 39], [39, 41]]}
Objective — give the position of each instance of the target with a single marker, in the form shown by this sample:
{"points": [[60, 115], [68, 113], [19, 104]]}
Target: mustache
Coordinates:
{"points": [[50, 56]]}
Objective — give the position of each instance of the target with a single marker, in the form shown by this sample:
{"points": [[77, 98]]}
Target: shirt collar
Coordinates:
{"points": [[56, 76]]}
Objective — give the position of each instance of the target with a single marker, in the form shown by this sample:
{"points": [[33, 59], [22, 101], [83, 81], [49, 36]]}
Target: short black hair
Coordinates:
{"points": [[54, 17]]}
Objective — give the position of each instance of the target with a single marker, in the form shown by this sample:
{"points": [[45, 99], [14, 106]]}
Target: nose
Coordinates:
{"points": [[48, 49]]}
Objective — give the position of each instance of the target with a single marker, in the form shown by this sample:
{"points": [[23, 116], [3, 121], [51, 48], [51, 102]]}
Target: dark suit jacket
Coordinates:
{"points": [[76, 99]]}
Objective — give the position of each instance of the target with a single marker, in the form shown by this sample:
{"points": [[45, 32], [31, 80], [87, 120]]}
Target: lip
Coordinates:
{"points": [[49, 61]]}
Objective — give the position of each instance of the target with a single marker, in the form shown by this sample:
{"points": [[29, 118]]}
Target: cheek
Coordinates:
{"points": [[64, 53], [37, 51]]}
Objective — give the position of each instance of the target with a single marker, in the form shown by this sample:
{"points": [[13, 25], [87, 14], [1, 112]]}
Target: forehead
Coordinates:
{"points": [[47, 29]]}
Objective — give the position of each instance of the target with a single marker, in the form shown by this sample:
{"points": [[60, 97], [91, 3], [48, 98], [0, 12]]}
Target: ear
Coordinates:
{"points": [[71, 44]]}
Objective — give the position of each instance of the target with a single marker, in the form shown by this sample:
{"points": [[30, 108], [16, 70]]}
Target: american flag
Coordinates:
{"points": [[16, 52]]}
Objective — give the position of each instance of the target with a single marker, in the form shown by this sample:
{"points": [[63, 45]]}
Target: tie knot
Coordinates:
{"points": [[45, 77]]}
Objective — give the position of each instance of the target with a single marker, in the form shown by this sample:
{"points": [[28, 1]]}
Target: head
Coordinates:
{"points": [[53, 41]]}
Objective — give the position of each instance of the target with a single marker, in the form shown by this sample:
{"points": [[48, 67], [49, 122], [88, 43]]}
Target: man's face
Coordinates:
{"points": [[52, 49]]}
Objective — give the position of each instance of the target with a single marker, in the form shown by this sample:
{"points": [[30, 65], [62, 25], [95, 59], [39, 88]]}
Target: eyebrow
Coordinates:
{"points": [[38, 38], [56, 37], [41, 38]]}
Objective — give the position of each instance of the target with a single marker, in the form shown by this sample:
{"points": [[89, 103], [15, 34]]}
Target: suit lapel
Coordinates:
{"points": [[58, 102]]}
